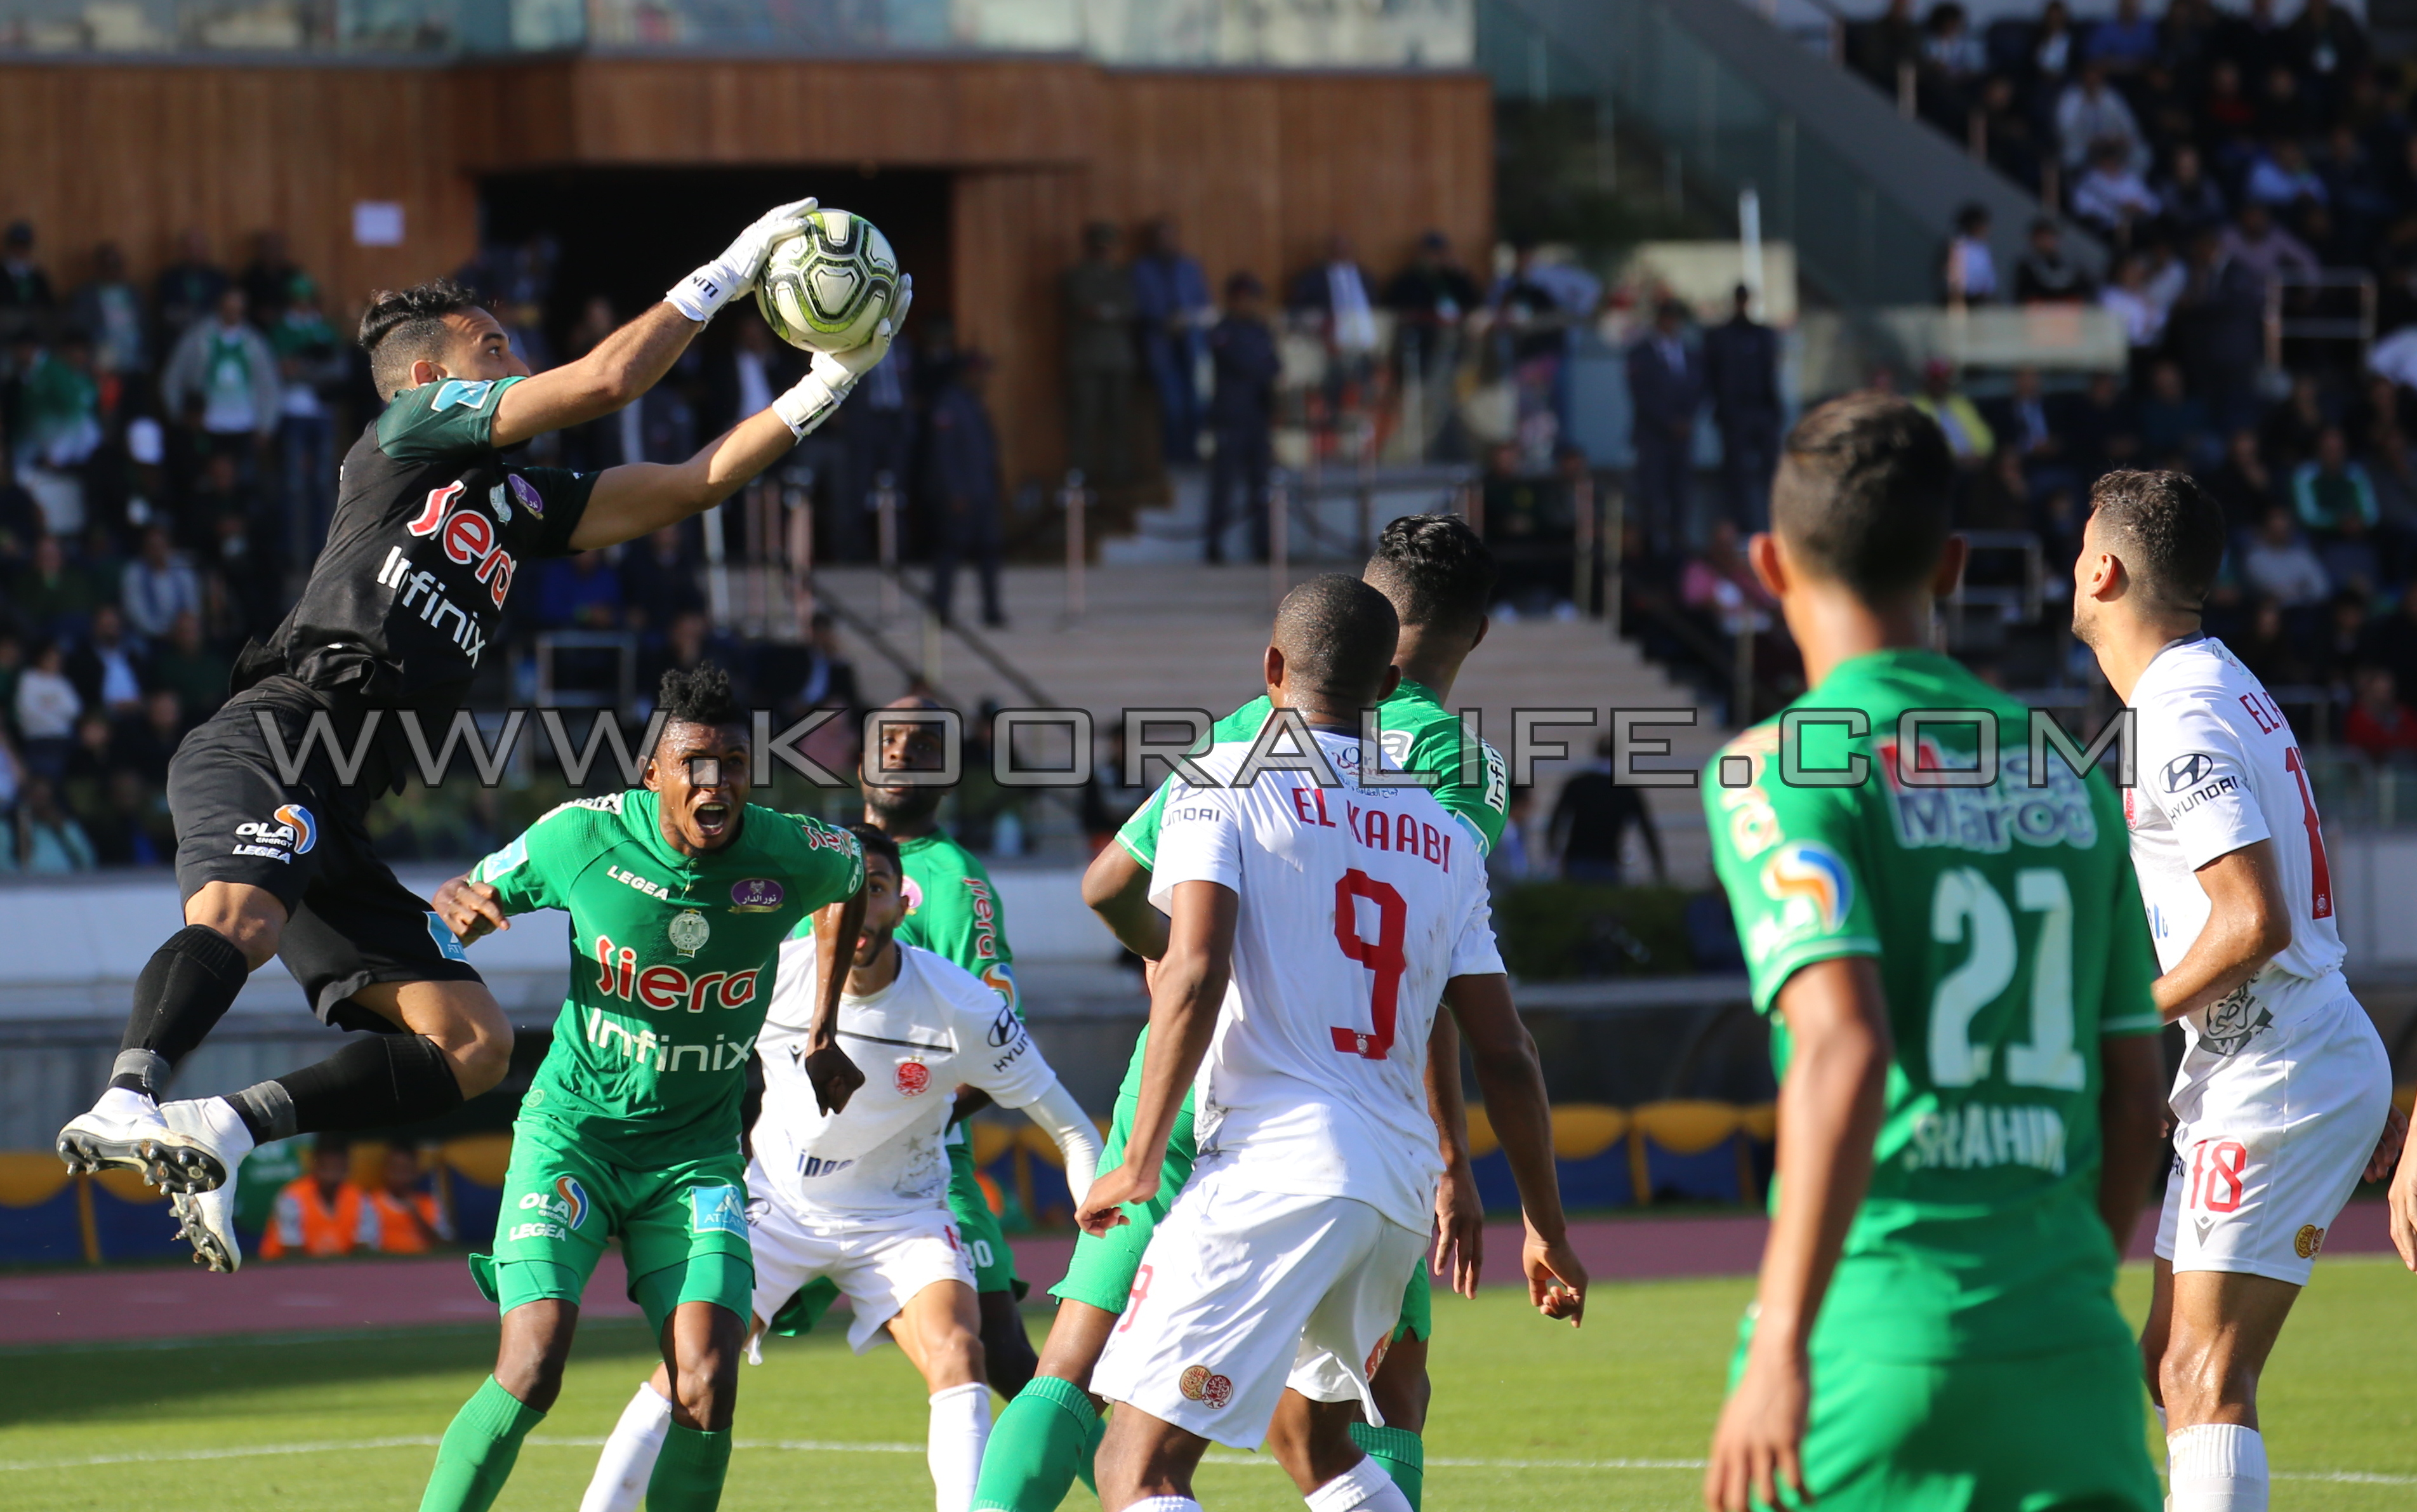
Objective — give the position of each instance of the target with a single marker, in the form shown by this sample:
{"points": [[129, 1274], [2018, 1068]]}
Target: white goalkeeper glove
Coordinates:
{"points": [[702, 293], [834, 373]]}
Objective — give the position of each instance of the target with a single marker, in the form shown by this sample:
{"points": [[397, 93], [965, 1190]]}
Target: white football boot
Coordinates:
{"points": [[125, 1128], [208, 1216]]}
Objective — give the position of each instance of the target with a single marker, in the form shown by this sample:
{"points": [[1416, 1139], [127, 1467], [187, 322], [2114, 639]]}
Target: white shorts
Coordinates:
{"points": [[2270, 1142], [878, 1264], [1243, 1292]]}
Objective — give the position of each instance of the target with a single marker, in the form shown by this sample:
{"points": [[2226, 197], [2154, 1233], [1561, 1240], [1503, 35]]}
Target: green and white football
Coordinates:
{"points": [[826, 288]]}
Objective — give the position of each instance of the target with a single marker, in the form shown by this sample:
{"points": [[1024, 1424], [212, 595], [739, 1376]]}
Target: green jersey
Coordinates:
{"points": [[673, 960], [2008, 931], [1418, 734]]}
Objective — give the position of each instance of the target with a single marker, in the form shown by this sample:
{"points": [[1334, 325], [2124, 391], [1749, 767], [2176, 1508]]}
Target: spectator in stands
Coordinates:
{"points": [[59, 415], [579, 592], [2131, 298], [2392, 471], [107, 669], [1889, 45], [2052, 46], [1173, 311], [2090, 111], [2330, 490], [658, 580], [2282, 176], [1242, 413], [52, 595], [1508, 863], [2023, 422], [309, 370], [1664, 390], [829, 680], [1430, 298], [2279, 566], [26, 294], [402, 1216], [148, 743], [2325, 41], [1719, 585], [2014, 141], [961, 481], [190, 668], [1741, 361], [109, 309], [21, 520], [2218, 328], [2379, 726], [2125, 42], [2113, 197], [1968, 434], [2289, 432], [2391, 641], [2267, 250], [186, 290], [1337, 297], [2045, 274], [49, 842], [319, 1215], [2271, 650], [2104, 430], [1098, 313], [2189, 197], [1971, 272], [222, 380], [158, 586], [47, 706], [2174, 424], [1592, 817], [268, 280]]}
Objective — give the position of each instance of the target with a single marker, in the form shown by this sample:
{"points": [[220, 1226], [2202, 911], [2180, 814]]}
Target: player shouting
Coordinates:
{"points": [[1439, 578], [2286, 1085], [1296, 890], [433, 524], [1958, 981], [860, 1198], [679, 894]]}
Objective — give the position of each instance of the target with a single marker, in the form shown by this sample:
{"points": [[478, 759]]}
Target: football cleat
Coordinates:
{"points": [[110, 1135], [206, 1218]]}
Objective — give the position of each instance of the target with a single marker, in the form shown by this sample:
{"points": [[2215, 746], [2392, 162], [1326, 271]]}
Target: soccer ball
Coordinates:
{"points": [[826, 288]]}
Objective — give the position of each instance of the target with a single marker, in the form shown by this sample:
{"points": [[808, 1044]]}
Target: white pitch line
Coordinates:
{"points": [[2353, 1477]]}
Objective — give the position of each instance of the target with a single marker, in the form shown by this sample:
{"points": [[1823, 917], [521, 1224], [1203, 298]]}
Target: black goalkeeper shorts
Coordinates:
{"points": [[238, 819]]}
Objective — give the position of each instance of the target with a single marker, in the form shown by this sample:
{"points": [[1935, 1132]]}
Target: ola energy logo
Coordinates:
{"points": [[1803, 869], [306, 829], [574, 1200]]}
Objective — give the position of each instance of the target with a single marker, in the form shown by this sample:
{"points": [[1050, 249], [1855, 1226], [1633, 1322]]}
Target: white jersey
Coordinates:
{"points": [[2218, 768], [934, 1028], [1357, 904]]}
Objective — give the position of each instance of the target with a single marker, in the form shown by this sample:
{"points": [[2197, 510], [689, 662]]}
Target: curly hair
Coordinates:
{"points": [[1436, 569], [700, 695], [402, 325]]}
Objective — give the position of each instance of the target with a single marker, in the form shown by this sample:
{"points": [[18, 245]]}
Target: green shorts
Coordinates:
{"points": [[985, 1241], [2060, 1432], [683, 1226]]}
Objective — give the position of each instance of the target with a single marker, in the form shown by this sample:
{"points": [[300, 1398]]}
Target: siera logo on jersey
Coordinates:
{"points": [[467, 538], [1812, 872], [666, 987]]}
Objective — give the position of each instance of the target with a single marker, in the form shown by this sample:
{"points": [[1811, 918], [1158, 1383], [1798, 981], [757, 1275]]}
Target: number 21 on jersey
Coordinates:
{"points": [[1967, 909]]}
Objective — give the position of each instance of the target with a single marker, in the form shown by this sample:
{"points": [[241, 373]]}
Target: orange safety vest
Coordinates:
{"points": [[303, 1223], [387, 1226]]}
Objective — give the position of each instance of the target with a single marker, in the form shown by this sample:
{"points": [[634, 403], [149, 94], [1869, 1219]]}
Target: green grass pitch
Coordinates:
{"points": [[1526, 1414]]}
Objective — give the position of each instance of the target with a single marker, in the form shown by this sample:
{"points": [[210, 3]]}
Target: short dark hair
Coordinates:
{"points": [[700, 695], [1861, 494], [2166, 530], [1337, 636], [876, 842], [1436, 569], [402, 325]]}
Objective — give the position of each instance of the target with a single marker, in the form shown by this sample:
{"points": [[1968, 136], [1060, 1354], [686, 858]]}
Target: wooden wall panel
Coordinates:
{"points": [[1009, 243]]}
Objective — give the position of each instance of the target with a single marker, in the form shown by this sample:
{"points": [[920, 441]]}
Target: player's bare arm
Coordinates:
{"points": [[1460, 1213], [1116, 888], [1830, 1109], [2131, 1123], [2248, 924], [1186, 992], [1512, 1081], [835, 1075]]}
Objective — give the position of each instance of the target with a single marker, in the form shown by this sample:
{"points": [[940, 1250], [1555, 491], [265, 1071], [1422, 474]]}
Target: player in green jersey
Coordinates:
{"points": [[1440, 579], [680, 895], [1958, 981]]}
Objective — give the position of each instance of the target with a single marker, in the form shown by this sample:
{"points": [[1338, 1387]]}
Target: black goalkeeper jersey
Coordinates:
{"points": [[432, 526]]}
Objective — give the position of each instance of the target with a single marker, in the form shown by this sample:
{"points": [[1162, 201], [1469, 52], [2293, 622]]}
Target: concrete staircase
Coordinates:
{"points": [[1190, 636]]}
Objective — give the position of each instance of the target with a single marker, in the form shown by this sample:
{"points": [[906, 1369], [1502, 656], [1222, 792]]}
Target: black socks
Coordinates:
{"points": [[185, 989], [376, 1082]]}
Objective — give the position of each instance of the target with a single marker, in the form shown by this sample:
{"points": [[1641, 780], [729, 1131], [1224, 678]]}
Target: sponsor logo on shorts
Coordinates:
{"points": [[291, 832], [717, 1210], [756, 894], [556, 1215], [914, 1077], [1201, 1385], [2308, 1242]]}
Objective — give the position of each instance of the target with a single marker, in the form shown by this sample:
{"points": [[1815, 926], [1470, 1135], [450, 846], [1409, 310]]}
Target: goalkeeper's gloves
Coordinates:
{"points": [[834, 373], [702, 293]]}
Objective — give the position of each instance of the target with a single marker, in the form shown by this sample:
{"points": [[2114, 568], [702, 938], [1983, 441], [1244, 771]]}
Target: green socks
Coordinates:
{"points": [[1040, 1442], [690, 1472], [478, 1450], [1398, 1451]]}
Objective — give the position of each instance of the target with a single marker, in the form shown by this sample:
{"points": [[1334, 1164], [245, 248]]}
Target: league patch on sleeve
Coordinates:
{"points": [[447, 945], [717, 1210]]}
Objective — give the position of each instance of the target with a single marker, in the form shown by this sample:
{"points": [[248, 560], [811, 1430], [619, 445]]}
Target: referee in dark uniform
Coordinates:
{"points": [[433, 525]]}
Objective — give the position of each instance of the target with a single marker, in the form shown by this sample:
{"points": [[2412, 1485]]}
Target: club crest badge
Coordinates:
{"points": [[688, 932], [914, 1077], [1201, 1385]]}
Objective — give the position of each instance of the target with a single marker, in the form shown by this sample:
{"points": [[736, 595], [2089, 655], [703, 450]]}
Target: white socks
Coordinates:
{"points": [[2216, 1467], [960, 1428], [1363, 1488], [1165, 1503], [628, 1461]]}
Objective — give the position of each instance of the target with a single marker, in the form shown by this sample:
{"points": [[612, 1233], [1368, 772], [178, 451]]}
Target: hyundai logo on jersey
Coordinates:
{"points": [[2188, 771], [1805, 869]]}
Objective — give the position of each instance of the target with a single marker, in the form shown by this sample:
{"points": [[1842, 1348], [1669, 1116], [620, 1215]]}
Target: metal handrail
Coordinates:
{"points": [[2359, 328]]}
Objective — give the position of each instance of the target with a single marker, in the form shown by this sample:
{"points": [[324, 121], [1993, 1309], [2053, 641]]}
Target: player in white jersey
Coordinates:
{"points": [[2284, 1087], [1317, 912], [861, 1195]]}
